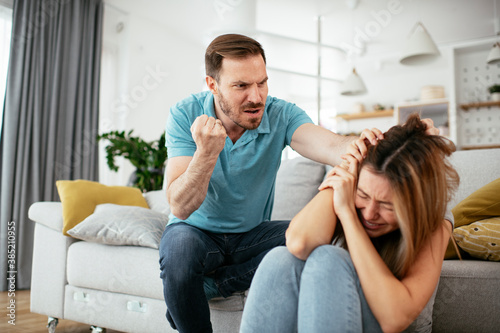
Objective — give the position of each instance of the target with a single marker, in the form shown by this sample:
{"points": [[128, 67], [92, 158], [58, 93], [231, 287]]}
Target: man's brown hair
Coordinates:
{"points": [[229, 46]]}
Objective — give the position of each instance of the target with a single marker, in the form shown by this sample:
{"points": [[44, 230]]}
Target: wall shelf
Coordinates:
{"points": [[466, 107], [366, 115], [437, 110], [481, 147]]}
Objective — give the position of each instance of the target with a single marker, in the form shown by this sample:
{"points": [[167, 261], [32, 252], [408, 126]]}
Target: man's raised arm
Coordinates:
{"points": [[188, 177]]}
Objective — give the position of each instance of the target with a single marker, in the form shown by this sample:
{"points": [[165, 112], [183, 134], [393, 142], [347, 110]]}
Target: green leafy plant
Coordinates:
{"points": [[149, 158], [494, 88]]}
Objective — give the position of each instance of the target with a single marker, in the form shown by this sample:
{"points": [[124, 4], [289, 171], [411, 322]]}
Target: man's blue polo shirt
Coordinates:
{"points": [[241, 191]]}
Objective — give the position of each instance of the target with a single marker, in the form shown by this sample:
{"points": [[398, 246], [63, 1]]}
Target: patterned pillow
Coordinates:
{"points": [[122, 225], [483, 203], [480, 239]]}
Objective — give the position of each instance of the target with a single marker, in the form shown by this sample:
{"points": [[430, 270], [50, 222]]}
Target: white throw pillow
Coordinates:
{"points": [[122, 225], [157, 201]]}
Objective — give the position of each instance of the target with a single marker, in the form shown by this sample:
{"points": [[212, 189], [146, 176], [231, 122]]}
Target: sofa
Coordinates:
{"points": [[118, 286]]}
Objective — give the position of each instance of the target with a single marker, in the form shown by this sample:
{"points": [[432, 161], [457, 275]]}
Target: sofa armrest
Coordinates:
{"points": [[47, 213], [50, 247]]}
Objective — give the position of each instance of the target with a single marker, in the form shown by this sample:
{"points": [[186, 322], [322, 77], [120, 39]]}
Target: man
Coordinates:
{"points": [[224, 152]]}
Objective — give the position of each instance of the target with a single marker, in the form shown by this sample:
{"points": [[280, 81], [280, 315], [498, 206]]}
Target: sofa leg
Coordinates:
{"points": [[51, 324], [96, 329]]}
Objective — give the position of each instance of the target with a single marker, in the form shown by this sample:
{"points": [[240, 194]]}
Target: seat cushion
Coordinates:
{"points": [[467, 297], [129, 270]]}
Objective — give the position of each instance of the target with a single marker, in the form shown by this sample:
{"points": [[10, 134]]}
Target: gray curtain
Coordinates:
{"points": [[50, 115]]}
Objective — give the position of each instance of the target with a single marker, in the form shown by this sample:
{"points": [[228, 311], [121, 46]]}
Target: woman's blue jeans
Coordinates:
{"points": [[322, 294], [188, 254]]}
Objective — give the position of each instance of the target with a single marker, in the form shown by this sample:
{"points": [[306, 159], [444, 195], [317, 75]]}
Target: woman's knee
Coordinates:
{"points": [[279, 263], [279, 258], [330, 257]]}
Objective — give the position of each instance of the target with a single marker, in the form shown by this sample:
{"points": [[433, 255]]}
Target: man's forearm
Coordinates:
{"points": [[339, 147], [186, 193], [320, 144], [330, 147]]}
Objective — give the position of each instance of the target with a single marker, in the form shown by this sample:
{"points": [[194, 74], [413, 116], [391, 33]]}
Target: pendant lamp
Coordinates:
{"points": [[494, 56], [353, 85], [419, 48]]}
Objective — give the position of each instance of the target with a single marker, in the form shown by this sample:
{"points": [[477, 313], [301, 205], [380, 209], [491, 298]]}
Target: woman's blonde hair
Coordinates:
{"points": [[423, 181]]}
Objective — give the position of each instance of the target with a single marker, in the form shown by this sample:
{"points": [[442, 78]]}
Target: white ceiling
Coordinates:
{"points": [[448, 21]]}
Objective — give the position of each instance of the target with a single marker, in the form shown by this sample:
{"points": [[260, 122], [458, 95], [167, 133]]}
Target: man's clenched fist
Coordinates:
{"points": [[208, 134]]}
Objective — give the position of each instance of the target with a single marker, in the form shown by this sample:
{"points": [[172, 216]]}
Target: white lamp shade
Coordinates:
{"points": [[419, 49], [353, 85], [494, 56]]}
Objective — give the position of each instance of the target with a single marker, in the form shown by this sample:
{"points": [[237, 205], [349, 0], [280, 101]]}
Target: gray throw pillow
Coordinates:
{"points": [[297, 183], [122, 225]]}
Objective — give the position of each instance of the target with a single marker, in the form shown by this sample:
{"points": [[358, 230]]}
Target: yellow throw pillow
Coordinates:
{"points": [[80, 197], [481, 204], [480, 239], [451, 251]]}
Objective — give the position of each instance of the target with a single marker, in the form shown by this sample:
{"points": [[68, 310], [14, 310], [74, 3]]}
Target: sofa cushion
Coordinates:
{"points": [[476, 169], [122, 225], [480, 239], [128, 270], [157, 201], [481, 204], [467, 297], [297, 183], [80, 197]]}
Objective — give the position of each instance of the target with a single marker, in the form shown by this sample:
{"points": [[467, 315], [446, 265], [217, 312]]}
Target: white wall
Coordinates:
{"points": [[170, 37], [157, 66], [161, 65], [383, 25]]}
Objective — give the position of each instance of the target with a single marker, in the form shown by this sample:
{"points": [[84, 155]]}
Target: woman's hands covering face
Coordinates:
{"points": [[343, 179]]}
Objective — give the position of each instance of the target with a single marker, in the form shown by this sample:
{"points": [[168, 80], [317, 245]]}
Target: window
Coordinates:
{"points": [[292, 66], [113, 84], [5, 33]]}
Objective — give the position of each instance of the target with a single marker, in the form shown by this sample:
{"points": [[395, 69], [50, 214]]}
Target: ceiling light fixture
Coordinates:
{"points": [[419, 48], [353, 85], [494, 55]]}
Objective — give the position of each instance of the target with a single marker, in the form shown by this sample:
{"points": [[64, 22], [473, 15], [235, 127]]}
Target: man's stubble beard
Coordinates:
{"points": [[229, 112]]}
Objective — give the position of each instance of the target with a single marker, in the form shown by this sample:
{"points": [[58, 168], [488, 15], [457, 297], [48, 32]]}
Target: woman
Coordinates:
{"points": [[389, 233]]}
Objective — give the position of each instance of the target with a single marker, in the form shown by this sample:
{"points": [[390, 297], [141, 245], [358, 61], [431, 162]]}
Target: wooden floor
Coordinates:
{"points": [[32, 322]]}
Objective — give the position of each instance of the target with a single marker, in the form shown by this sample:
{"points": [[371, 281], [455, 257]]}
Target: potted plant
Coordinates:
{"points": [[495, 92], [149, 158]]}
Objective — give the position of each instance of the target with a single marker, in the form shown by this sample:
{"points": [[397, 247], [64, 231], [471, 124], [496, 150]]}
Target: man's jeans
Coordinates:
{"points": [[187, 254]]}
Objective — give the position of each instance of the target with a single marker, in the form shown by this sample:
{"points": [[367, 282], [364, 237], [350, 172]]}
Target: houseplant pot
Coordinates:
{"points": [[149, 158], [495, 92]]}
